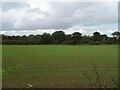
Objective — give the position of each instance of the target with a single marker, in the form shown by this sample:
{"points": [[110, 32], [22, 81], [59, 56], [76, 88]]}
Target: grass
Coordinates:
{"points": [[58, 66]]}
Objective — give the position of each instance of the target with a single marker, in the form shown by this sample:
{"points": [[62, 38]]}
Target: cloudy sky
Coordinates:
{"points": [[24, 18]]}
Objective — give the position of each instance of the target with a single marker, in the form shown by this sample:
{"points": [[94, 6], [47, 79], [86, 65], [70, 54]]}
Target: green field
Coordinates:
{"points": [[59, 66]]}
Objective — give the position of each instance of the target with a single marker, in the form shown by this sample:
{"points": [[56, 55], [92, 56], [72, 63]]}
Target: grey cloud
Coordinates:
{"points": [[13, 5], [63, 16], [7, 25]]}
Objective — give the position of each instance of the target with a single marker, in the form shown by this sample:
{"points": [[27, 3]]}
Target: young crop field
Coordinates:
{"points": [[59, 66]]}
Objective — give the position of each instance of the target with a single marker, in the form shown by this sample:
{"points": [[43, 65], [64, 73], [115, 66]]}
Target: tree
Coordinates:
{"points": [[85, 39], [37, 39], [96, 34], [31, 39], [96, 37], [45, 38], [68, 37], [60, 36], [24, 40], [116, 34], [34, 39], [104, 38], [76, 37], [68, 40]]}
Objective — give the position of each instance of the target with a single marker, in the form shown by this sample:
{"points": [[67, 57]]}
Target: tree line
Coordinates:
{"points": [[59, 37]]}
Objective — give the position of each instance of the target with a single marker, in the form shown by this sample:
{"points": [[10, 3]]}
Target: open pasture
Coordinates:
{"points": [[59, 66]]}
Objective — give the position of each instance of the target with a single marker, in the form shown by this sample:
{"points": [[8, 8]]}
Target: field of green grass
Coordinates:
{"points": [[59, 66]]}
